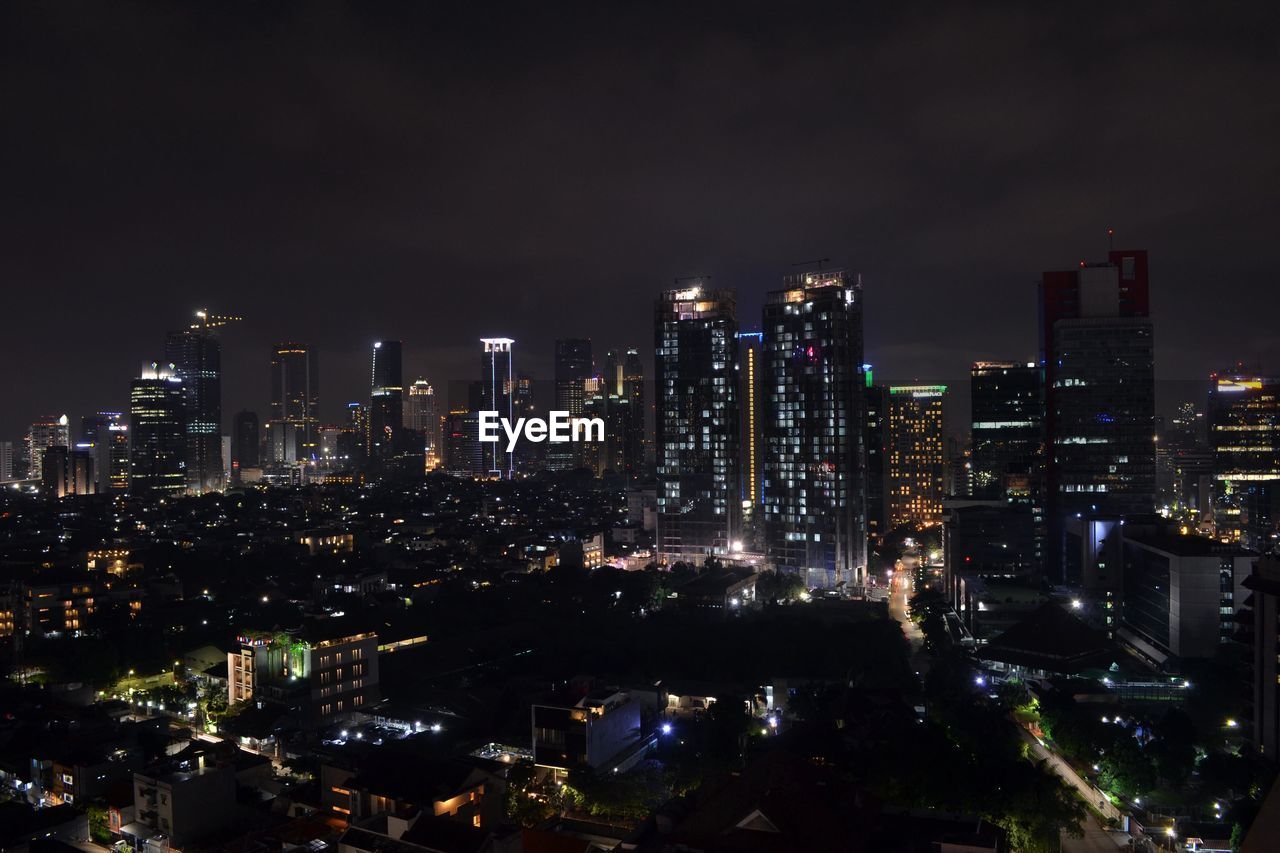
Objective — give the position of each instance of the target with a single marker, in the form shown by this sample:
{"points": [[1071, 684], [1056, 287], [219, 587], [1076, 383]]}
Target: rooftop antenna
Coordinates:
{"points": [[818, 261], [1111, 239]]}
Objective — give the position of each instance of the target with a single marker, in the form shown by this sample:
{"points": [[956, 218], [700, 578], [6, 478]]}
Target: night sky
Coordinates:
{"points": [[436, 172]]}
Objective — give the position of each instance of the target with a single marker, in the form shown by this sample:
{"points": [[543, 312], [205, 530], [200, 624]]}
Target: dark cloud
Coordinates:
{"points": [[437, 172]]}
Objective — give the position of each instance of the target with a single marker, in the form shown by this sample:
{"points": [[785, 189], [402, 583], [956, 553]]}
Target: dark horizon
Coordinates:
{"points": [[339, 175]]}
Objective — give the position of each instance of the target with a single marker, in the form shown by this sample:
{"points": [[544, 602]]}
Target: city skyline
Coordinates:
{"points": [[976, 182]]}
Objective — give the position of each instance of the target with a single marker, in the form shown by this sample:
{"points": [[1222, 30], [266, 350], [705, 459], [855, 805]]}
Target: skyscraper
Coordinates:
{"points": [[497, 375], [386, 401], [107, 435], [1007, 425], [573, 368], [7, 462], [814, 477], [196, 356], [158, 432], [246, 442], [422, 414], [698, 434], [1099, 393], [292, 429], [876, 445], [1244, 433], [916, 460], [47, 432]]}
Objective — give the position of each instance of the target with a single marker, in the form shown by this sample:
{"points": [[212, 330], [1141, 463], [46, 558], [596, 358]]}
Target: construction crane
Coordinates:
{"points": [[206, 322]]}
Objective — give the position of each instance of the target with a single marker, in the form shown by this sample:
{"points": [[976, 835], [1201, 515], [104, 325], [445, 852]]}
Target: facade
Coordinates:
{"points": [[497, 376], [183, 801], [157, 432], [592, 733], [106, 436], [1180, 592], [386, 401], [68, 472], [697, 428], [1099, 393], [915, 457], [422, 414], [45, 433], [7, 462], [1244, 436], [1261, 634], [573, 369], [331, 678], [246, 443], [293, 428], [875, 442], [815, 516], [1007, 426], [196, 356]]}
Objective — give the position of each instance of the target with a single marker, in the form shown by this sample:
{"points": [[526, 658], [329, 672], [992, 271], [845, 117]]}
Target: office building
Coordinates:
{"points": [[815, 517], [294, 421], [497, 377], [1180, 592], [7, 462], [106, 435], [597, 733], [697, 427], [331, 670], [386, 401], [246, 443], [422, 415], [875, 441], [573, 369], [157, 432], [47, 432], [1099, 395], [463, 453], [1007, 427], [616, 396], [196, 356], [1244, 436], [1260, 632], [915, 456], [66, 471]]}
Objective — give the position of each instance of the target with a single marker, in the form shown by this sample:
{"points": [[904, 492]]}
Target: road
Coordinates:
{"points": [[902, 586], [1096, 839], [1067, 774]]}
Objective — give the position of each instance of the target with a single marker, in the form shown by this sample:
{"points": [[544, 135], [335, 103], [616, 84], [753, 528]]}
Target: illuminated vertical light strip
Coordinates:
{"points": [[751, 416]]}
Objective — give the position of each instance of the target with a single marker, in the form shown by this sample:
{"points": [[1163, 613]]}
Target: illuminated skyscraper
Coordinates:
{"points": [[573, 369], [45, 433], [698, 434], [916, 459], [107, 435], [292, 429], [1244, 432], [1099, 394], [422, 415], [497, 375], [1008, 427], [386, 401], [815, 495], [196, 356], [7, 462], [158, 432]]}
